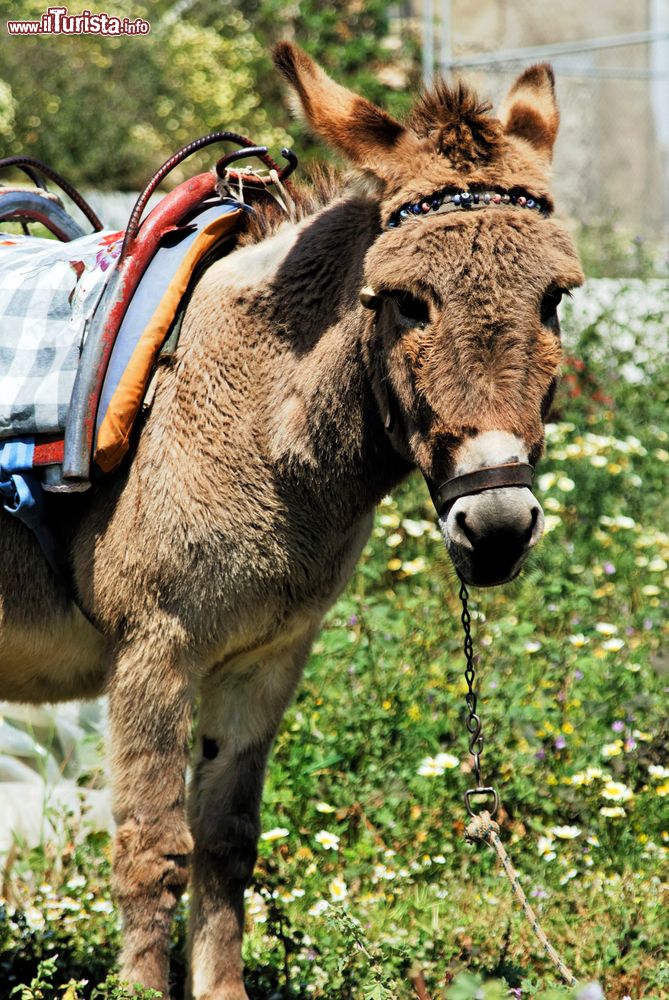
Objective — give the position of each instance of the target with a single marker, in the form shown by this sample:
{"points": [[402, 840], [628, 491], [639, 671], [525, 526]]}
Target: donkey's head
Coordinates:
{"points": [[462, 286]]}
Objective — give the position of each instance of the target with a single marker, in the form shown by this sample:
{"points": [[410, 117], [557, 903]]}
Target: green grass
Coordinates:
{"points": [[574, 681]]}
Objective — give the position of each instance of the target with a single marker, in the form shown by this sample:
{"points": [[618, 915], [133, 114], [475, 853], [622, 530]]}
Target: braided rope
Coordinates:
{"points": [[483, 828]]}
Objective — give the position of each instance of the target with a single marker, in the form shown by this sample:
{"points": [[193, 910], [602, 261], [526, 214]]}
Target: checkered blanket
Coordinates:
{"points": [[48, 293]]}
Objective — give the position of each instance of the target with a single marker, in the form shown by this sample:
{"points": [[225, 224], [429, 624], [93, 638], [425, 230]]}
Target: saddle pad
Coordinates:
{"points": [[48, 292], [146, 324]]}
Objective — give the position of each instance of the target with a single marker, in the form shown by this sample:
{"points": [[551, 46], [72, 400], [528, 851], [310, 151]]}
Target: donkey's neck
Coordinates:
{"points": [[326, 429], [295, 325]]}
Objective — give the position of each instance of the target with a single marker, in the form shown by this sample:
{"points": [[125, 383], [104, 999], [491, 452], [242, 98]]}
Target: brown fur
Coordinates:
{"points": [[531, 112], [322, 186], [457, 124], [209, 562], [331, 109]]}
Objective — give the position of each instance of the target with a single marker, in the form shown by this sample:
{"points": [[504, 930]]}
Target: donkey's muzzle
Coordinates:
{"points": [[490, 520]]}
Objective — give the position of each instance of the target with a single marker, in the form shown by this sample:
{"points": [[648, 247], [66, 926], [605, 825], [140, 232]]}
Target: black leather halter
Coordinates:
{"points": [[491, 477]]}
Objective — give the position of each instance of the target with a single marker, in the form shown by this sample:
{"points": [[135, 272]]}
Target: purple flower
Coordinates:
{"points": [[618, 726], [109, 251], [560, 742], [609, 568]]}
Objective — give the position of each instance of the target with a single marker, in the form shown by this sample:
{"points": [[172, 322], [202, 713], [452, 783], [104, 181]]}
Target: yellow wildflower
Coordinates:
{"points": [[613, 812], [338, 889], [277, 833], [617, 791]]}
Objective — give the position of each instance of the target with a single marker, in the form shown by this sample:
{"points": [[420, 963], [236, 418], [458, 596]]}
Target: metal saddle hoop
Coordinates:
{"points": [[247, 148], [38, 204]]}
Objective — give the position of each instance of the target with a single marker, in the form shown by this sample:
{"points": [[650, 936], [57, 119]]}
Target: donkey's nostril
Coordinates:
{"points": [[461, 521], [537, 525], [458, 530], [534, 517]]}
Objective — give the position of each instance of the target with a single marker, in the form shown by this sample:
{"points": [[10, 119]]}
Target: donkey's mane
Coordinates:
{"points": [[457, 122], [321, 186]]}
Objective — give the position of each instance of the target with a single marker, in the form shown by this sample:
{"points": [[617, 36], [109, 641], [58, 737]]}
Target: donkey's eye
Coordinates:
{"points": [[549, 304], [412, 309]]}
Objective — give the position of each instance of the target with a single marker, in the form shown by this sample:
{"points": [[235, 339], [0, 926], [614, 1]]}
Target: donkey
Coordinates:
{"points": [[407, 321]]}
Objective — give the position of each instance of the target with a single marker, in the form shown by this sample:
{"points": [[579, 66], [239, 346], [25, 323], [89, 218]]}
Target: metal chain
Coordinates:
{"points": [[473, 721]]}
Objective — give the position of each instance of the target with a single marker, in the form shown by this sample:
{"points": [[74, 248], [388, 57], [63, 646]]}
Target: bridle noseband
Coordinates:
{"points": [[491, 477]]}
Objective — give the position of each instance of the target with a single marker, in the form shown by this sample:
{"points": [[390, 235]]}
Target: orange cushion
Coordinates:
{"points": [[114, 432]]}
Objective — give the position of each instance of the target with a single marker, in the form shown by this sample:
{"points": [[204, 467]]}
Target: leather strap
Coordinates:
{"points": [[491, 477]]}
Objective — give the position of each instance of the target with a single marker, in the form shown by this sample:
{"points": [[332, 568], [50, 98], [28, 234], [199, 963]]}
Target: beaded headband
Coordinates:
{"points": [[451, 201]]}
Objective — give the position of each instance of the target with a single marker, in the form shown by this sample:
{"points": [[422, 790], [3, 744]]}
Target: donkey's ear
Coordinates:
{"points": [[358, 129], [531, 112]]}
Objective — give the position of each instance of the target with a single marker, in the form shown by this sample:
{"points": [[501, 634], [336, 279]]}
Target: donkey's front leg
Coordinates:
{"points": [[150, 710], [240, 713]]}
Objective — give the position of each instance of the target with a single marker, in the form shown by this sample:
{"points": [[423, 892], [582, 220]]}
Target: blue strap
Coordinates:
{"points": [[22, 495], [21, 490]]}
